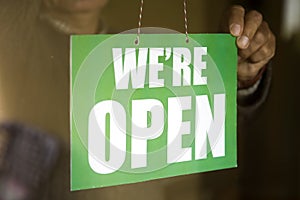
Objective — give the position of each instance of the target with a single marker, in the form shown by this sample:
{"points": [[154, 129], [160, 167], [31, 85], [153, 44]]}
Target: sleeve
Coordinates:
{"points": [[250, 102]]}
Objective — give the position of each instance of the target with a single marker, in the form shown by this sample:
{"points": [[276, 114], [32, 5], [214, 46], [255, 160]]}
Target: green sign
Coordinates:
{"points": [[161, 108]]}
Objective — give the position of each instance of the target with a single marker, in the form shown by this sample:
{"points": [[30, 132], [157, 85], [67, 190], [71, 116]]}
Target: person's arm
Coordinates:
{"points": [[249, 100], [256, 47]]}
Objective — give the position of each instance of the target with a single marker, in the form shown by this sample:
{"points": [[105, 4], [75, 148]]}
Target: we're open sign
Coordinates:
{"points": [[158, 109]]}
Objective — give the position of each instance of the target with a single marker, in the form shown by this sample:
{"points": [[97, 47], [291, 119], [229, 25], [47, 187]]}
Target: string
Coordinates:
{"points": [[137, 40], [140, 23], [185, 20]]}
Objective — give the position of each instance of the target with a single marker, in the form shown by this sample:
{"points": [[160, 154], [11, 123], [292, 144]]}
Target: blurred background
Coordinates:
{"points": [[268, 148]]}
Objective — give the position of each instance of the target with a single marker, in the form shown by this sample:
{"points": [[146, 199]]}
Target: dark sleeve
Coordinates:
{"points": [[251, 104]]}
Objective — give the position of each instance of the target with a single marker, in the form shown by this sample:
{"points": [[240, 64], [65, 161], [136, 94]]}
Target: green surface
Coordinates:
{"points": [[93, 81]]}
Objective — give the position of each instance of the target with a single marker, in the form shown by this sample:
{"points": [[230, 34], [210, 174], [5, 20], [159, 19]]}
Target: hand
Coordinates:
{"points": [[255, 41]]}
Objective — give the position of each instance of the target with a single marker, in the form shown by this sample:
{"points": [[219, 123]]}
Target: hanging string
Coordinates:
{"points": [[185, 20], [137, 40], [140, 23]]}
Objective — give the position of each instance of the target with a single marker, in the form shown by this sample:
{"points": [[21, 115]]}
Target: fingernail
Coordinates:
{"points": [[243, 41], [235, 29]]}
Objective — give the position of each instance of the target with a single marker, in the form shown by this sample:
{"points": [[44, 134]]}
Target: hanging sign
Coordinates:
{"points": [[160, 108]]}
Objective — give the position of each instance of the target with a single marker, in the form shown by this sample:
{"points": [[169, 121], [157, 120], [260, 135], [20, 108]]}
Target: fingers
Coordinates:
{"points": [[262, 46], [267, 51], [261, 37], [254, 39], [236, 20], [249, 68], [243, 26], [253, 20], [258, 54]]}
